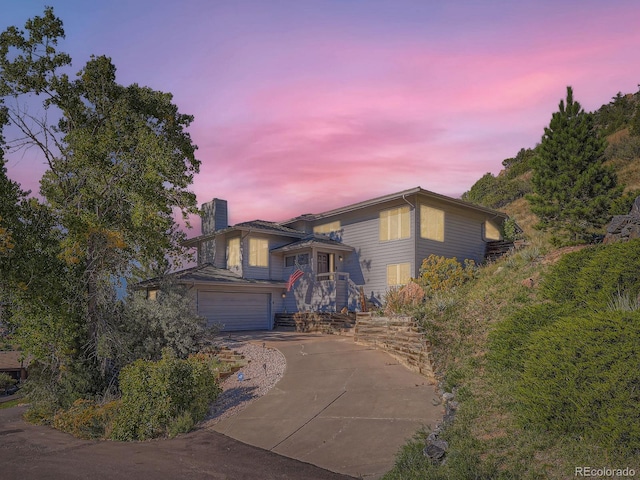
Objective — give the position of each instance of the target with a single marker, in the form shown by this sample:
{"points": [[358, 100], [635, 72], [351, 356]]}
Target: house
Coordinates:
{"points": [[243, 273]]}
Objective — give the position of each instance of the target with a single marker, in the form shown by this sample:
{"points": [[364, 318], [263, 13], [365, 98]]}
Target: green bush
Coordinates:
{"points": [[581, 377], [158, 396], [444, 274], [590, 277], [6, 380], [86, 419], [510, 339]]}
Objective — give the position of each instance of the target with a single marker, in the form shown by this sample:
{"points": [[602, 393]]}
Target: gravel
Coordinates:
{"points": [[257, 381]]}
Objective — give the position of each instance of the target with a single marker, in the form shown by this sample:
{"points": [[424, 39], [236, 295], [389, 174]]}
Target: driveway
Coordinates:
{"points": [[30, 452], [341, 406]]}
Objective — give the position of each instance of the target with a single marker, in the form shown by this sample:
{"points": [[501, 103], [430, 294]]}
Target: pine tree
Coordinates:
{"points": [[573, 189]]}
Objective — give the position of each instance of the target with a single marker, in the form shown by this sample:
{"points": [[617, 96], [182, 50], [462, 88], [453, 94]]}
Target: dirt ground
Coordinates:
{"points": [[38, 452]]}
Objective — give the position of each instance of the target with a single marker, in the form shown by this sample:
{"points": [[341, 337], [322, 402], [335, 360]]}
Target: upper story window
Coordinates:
{"points": [[395, 224], [491, 232], [431, 223], [398, 274], [258, 252], [327, 227], [233, 252]]}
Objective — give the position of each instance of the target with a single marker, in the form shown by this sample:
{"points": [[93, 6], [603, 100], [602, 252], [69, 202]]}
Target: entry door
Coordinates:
{"points": [[323, 263]]}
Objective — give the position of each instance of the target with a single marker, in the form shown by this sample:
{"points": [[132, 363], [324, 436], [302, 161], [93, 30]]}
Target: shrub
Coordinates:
{"points": [[559, 284], [591, 277], [401, 300], [158, 396], [510, 339], [86, 419], [6, 380], [581, 378], [444, 274]]}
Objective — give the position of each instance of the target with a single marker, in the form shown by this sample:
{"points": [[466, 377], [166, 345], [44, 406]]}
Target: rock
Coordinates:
{"points": [[447, 396], [436, 450], [623, 228], [528, 282]]}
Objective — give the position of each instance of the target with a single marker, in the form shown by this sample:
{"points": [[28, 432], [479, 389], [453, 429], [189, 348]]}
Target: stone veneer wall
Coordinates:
{"points": [[398, 336]]}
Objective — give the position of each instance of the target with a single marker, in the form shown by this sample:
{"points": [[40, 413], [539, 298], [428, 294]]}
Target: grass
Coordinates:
{"points": [[12, 403], [487, 440]]}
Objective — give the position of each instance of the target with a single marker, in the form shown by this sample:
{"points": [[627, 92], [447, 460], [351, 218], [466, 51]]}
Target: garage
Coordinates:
{"points": [[236, 310]]}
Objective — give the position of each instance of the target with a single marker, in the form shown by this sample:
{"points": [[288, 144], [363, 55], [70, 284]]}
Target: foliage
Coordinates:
{"points": [[510, 339], [512, 183], [617, 114], [157, 396], [402, 300], [6, 380], [625, 149], [444, 274], [146, 327], [120, 162], [581, 376], [495, 192], [86, 419], [573, 189], [590, 277]]}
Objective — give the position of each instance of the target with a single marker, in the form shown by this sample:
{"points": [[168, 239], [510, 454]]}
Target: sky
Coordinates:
{"points": [[302, 106]]}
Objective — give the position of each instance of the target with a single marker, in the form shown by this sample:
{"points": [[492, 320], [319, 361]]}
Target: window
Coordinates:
{"points": [[394, 224], [491, 232], [327, 227], [258, 252], [152, 294], [431, 223], [303, 259], [290, 261], [398, 274], [233, 252]]}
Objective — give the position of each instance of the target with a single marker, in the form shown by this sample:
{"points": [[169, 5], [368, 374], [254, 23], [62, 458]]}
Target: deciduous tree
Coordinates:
{"points": [[120, 163]]}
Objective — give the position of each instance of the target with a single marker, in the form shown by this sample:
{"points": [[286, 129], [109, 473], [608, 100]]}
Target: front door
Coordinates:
{"points": [[323, 263]]}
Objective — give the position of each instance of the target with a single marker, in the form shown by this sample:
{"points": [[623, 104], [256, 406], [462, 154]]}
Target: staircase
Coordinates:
{"points": [[496, 249]]}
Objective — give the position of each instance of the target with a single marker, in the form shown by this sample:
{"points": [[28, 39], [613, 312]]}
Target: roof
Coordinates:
{"points": [[253, 226], [314, 240], [395, 196], [12, 360], [207, 273]]}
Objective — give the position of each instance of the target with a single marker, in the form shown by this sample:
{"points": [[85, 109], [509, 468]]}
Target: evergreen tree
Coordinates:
{"points": [[573, 189]]}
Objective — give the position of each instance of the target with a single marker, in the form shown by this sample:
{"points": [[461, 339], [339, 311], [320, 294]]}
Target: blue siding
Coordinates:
{"points": [[462, 236], [367, 266]]}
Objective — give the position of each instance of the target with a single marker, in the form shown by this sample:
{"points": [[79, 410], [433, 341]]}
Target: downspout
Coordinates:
{"points": [[415, 238]]}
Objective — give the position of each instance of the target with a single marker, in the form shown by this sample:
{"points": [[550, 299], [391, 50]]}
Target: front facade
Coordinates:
{"points": [[339, 259]]}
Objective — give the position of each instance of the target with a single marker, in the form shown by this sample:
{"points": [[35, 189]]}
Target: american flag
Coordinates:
{"points": [[292, 279]]}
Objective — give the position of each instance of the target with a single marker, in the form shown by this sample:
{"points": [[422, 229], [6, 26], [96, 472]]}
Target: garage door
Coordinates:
{"points": [[236, 311]]}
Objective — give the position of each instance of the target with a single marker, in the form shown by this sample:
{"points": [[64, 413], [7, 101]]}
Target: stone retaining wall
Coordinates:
{"points": [[398, 336], [320, 322]]}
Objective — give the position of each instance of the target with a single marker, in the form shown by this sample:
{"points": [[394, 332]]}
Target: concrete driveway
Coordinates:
{"points": [[342, 406]]}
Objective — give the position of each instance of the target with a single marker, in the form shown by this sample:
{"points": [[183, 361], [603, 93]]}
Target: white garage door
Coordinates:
{"points": [[236, 311]]}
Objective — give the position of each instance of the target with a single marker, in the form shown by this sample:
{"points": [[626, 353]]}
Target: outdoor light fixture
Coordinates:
{"points": [[340, 257], [284, 294]]}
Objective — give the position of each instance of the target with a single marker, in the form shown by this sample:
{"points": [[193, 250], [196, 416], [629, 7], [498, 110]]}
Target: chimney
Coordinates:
{"points": [[214, 216]]}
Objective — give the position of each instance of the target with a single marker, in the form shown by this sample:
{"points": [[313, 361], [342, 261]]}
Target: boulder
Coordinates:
{"points": [[623, 228]]}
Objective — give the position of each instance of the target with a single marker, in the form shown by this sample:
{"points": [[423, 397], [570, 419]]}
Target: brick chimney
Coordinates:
{"points": [[214, 216]]}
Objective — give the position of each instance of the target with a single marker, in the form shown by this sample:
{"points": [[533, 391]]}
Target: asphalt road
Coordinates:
{"points": [[37, 452]]}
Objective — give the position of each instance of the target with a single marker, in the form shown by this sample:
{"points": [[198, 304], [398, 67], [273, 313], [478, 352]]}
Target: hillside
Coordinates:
{"points": [[618, 121], [541, 348]]}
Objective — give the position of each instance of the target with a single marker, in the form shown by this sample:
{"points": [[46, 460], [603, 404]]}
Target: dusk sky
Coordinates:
{"points": [[302, 106]]}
